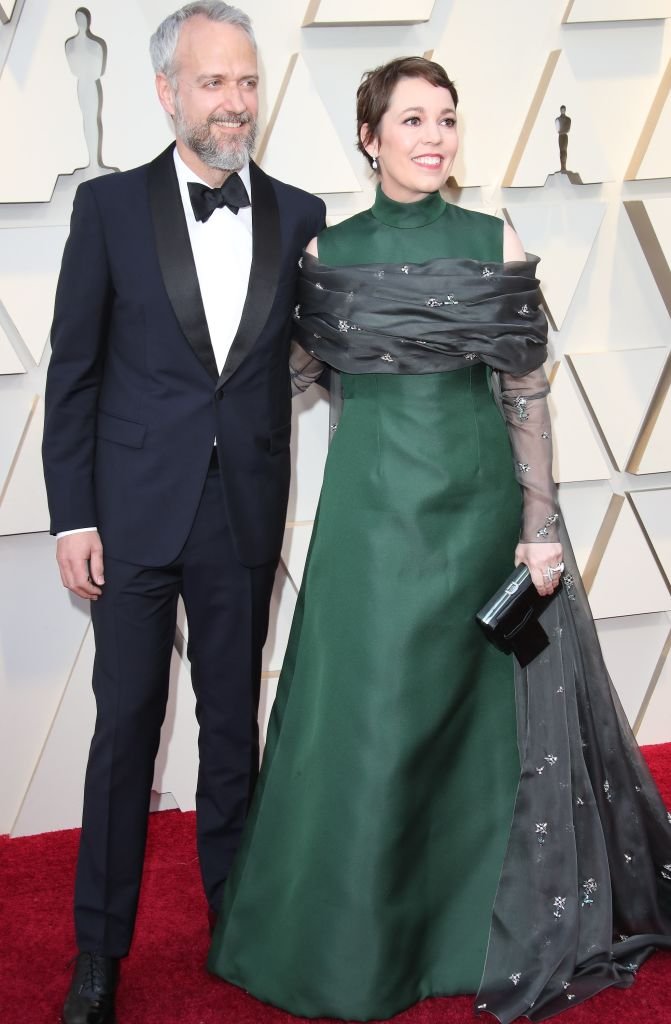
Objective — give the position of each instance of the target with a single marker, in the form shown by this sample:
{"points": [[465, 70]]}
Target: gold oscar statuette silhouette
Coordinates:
{"points": [[563, 127]]}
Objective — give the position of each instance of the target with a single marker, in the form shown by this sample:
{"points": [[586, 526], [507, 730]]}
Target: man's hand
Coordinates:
{"points": [[539, 558], [80, 560]]}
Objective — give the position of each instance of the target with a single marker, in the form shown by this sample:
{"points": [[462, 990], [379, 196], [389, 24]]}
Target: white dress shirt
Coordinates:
{"points": [[222, 252]]}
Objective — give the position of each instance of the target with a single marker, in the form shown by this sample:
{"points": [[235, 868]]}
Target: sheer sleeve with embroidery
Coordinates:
{"points": [[304, 369], [525, 409]]}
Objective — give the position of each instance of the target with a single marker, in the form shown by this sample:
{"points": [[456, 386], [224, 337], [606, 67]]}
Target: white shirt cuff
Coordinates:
{"points": [[82, 529]]}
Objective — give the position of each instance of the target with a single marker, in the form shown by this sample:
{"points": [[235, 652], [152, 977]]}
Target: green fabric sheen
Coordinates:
{"points": [[369, 865]]}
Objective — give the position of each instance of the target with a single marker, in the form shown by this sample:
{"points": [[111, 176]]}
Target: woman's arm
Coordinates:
{"points": [[304, 369], [528, 420], [512, 247]]}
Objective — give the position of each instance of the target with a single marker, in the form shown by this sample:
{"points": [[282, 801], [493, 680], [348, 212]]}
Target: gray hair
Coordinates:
{"points": [[163, 43]]}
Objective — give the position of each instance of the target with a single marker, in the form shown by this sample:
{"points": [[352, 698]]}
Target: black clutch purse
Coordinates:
{"points": [[510, 618]]}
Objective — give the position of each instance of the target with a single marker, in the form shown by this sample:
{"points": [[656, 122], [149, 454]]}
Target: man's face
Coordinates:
{"points": [[213, 94]]}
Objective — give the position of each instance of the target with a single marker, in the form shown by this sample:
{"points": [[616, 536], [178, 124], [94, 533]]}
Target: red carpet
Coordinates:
{"points": [[164, 980]]}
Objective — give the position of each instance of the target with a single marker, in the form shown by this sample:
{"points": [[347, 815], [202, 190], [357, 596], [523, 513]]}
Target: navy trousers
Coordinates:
{"points": [[134, 622]]}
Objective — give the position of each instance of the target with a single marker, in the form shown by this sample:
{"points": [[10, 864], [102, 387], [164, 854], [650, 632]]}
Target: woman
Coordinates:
{"points": [[429, 820]]}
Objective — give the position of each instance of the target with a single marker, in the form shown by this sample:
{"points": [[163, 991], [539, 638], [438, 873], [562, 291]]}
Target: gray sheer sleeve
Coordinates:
{"points": [[304, 369], [525, 409]]}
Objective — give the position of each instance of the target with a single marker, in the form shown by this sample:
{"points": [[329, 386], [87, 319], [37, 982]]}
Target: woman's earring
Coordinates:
{"points": [[374, 164]]}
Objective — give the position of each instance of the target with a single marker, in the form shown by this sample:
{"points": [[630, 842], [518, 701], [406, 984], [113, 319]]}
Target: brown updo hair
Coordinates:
{"points": [[374, 94]]}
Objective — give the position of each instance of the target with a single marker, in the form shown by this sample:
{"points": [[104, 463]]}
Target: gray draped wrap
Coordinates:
{"points": [[422, 318]]}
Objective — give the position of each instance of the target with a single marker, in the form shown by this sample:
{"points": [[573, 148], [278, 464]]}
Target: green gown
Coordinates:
{"points": [[371, 859]]}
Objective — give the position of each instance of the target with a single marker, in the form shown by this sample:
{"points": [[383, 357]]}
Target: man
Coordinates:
{"points": [[171, 332]]}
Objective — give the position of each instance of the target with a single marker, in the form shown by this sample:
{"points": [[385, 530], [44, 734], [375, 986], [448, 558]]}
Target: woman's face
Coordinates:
{"points": [[417, 140]]}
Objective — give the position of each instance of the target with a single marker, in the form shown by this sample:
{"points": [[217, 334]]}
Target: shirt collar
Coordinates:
{"points": [[185, 174]]}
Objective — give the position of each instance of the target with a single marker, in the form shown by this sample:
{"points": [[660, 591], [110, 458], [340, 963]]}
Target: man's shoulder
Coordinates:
{"points": [[110, 187], [297, 197], [118, 182]]}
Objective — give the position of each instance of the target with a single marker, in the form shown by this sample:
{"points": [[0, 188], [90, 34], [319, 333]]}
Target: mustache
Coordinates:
{"points": [[229, 118]]}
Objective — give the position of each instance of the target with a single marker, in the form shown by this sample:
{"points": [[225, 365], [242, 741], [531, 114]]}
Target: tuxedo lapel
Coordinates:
{"points": [[264, 272], [176, 258]]}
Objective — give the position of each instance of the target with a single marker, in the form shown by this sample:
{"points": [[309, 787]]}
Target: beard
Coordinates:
{"points": [[228, 153]]}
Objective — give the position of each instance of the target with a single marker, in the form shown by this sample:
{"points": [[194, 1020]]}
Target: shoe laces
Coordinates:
{"points": [[94, 977]]}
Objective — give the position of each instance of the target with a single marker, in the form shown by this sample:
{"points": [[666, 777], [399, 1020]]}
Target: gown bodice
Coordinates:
{"points": [[504, 334], [412, 232]]}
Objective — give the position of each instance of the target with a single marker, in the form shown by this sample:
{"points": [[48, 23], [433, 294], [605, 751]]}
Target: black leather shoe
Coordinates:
{"points": [[90, 999]]}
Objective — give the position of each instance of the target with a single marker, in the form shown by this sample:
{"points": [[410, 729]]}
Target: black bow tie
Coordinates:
{"points": [[205, 201]]}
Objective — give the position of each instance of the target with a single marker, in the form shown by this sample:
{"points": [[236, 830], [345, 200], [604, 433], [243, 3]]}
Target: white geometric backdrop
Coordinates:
{"points": [[603, 232]]}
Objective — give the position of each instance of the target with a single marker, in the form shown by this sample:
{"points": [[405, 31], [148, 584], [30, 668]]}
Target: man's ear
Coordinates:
{"points": [[166, 94]]}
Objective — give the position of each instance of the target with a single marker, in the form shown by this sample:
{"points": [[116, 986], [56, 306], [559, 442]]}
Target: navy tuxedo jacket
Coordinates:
{"points": [[134, 399]]}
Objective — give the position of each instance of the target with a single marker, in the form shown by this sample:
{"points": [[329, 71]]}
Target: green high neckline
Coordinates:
{"points": [[407, 215]]}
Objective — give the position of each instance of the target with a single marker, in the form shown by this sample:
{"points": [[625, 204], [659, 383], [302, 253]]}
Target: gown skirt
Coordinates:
{"points": [[369, 868]]}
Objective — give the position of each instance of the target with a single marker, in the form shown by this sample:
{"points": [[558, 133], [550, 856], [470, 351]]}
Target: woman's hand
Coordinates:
{"points": [[539, 558]]}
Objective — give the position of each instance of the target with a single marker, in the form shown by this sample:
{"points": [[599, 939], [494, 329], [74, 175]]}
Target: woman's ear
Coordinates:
{"points": [[368, 143]]}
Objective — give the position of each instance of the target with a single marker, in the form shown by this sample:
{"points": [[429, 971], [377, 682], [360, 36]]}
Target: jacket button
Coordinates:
{"points": [[219, 395]]}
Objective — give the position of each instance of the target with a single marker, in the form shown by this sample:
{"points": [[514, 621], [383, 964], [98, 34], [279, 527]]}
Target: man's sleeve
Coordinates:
{"points": [[321, 218], [78, 337]]}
